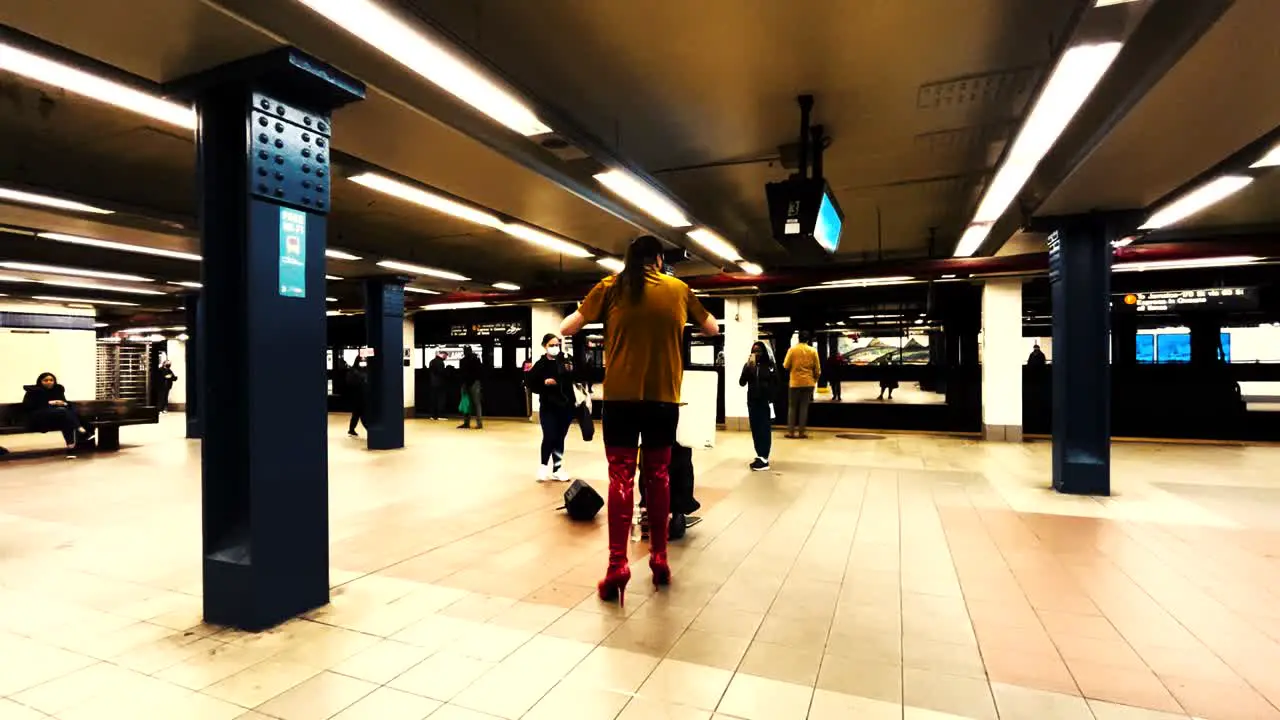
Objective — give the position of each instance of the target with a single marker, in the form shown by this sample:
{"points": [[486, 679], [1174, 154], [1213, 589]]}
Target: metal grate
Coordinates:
{"points": [[124, 370], [1009, 89]]}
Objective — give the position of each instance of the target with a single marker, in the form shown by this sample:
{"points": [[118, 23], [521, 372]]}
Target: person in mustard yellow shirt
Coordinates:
{"points": [[644, 312], [805, 366]]}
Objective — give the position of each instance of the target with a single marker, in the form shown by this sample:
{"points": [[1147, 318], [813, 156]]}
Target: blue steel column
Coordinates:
{"points": [[1080, 281], [193, 371], [384, 318], [263, 146]]}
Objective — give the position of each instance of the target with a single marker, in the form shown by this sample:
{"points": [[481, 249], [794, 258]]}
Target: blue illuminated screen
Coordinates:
{"points": [[1146, 348], [1175, 348], [827, 229]]}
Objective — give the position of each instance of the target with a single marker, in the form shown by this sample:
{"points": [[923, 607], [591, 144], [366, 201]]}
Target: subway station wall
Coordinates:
{"points": [[38, 338]]}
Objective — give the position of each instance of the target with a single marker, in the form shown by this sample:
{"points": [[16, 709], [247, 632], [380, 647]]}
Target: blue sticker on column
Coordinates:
{"points": [[293, 253]]}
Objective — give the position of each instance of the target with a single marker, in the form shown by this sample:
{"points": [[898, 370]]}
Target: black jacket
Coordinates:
{"points": [[761, 381], [470, 369], [37, 397], [560, 394], [435, 370], [357, 381]]}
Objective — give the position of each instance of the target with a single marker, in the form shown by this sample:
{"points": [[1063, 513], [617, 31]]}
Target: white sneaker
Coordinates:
{"points": [[560, 475], [542, 474]]}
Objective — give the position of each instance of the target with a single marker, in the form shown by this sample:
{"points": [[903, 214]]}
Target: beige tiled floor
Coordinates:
{"points": [[906, 578]]}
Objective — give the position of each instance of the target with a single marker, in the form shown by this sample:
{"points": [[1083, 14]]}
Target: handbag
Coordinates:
{"points": [[586, 423], [464, 405]]}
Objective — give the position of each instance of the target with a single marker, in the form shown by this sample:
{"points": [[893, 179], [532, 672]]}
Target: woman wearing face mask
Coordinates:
{"points": [[46, 407], [552, 379], [760, 377]]}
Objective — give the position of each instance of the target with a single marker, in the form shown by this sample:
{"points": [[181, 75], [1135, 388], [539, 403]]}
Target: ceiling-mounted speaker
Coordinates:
{"points": [[561, 148]]}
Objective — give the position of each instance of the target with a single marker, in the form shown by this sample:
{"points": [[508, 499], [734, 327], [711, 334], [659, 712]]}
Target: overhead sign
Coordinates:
{"points": [[293, 253], [489, 329], [1193, 300]]}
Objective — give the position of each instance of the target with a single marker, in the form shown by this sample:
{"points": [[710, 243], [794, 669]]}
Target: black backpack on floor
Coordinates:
{"points": [[581, 501]]}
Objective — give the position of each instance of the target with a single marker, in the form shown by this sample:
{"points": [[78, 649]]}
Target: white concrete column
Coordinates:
{"points": [[741, 329], [410, 375], [546, 319], [1003, 356]]}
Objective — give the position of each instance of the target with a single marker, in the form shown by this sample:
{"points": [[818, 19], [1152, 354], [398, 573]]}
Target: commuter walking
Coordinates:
{"points": [[357, 392], [552, 379], [469, 371], [805, 366], [888, 380], [46, 407], [760, 377], [644, 312], [436, 385], [167, 379], [834, 373]]}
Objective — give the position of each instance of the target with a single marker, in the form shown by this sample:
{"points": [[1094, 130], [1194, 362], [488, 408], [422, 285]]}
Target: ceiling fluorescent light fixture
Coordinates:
{"points": [[1196, 201], [506, 286], [1125, 241], [82, 301], [751, 268], [454, 306], [27, 198], [339, 255], [640, 194], [714, 244], [122, 247], [423, 198], [373, 24], [422, 270], [856, 282], [1197, 263], [1105, 3], [420, 291], [548, 241], [332, 277], [1271, 159], [59, 270], [330, 299], [101, 288], [79, 82], [972, 239], [1074, 78], [612, 264], [188, 284]]}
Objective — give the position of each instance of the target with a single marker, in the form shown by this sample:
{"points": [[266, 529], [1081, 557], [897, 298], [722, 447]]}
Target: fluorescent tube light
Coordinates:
{"points": [[1125, 241], [714, 244], [1074, 78], [613, 264], [332, 277], [95, 286], [188, 284], [550, 242], [122, 247], [82, 301], [141, 331], [329, 299], [376, 26], [59, 270], [79, 82], [1196, 201], [1209, 262], [332, 313], [420, 291], [893, 280], [1271, 159], [773, 320], [506, 286], [972, 239], [751, 268], [1105, 3], [339, 255], [426, 199], [422, 270], [454, 306], [27, 198], [644, 197], [881, 316]]}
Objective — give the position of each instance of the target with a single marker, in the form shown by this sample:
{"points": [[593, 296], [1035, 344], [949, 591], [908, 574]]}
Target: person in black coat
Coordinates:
{"points": [[469, 371], [46, 407], [552, 379], [357, 390], [760, 377], [436, 379]]}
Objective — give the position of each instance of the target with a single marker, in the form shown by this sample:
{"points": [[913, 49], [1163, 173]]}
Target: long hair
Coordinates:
{"points": [[643, 252], [765, 360], [40, 378]]}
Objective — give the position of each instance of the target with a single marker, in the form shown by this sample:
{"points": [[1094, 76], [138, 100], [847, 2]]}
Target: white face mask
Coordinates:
{"points": [[553, 351]]}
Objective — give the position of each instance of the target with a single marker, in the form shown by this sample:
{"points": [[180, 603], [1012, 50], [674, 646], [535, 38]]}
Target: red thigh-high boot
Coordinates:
{"points": [[657, 480], [622, 474]]}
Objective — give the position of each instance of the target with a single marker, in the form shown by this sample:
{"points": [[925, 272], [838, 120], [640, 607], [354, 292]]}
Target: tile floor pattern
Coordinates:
{"points": [[911, 577]]}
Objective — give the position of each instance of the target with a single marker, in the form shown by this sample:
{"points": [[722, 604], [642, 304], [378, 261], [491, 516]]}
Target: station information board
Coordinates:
{"points": [[1161, 301]]}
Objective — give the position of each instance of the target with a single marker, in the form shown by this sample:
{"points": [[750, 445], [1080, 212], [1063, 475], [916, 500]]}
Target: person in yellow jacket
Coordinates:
{"points": [[805, 367]]}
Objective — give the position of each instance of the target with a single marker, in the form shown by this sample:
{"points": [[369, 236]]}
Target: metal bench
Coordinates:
{"points": [[105, 416]]}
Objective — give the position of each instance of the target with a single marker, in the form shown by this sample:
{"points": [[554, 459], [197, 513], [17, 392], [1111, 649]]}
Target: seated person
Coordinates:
{"points": [[47, 409]]}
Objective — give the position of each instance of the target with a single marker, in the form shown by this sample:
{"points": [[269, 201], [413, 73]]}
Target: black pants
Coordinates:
{"points": [[835, 389], [630, 424], [357, 415], [63, 419], [474, 391], [760, 415], [556, 421], [438, 398]]}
